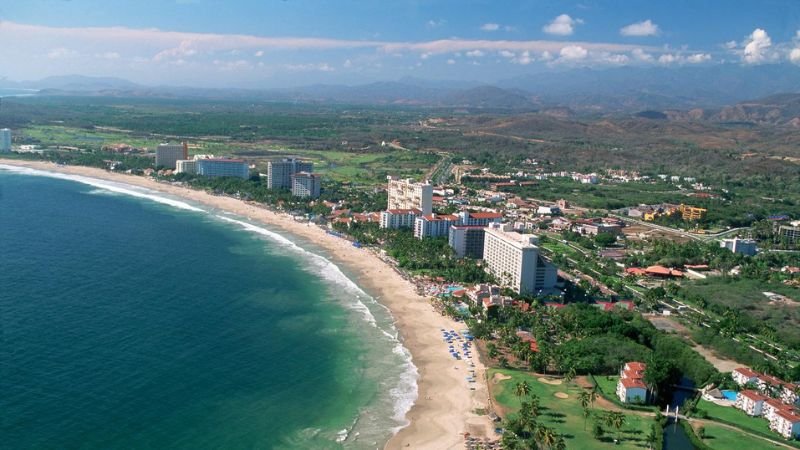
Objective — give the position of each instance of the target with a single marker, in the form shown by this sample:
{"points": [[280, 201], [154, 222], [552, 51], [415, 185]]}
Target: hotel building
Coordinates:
{"points": [[631, 387], [407, 194], [279, 173], [434, 225], [305, 184], [515, 261], [167, 155], [399, 218], [467, 240], [5, 140], [223, 168]]}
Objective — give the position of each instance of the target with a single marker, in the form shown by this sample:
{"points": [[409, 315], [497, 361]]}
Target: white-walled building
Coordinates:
{"points": [[631, 387], [467, 240], [786, 423], [167, 155], [5, 140], [408, 194], [399, 218], [515, 261], [186, 166], [744, 375], [305, 184], [434, 225], [751, 402]]}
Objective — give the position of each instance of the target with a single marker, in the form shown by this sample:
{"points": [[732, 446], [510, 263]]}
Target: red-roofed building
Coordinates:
{"points": [[631, 387], [786, 423], [399, 218], [661, 271], [744, 375], [434, 225], [751, 402], [772, 406], [635, 271]]}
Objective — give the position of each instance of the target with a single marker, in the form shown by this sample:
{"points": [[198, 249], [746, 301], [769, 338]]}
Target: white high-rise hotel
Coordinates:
{"points": [[515, 261], [5, 140], [407, 194]]}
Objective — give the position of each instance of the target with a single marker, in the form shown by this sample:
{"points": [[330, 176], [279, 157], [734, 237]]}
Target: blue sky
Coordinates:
{"points": [[270, 43]]}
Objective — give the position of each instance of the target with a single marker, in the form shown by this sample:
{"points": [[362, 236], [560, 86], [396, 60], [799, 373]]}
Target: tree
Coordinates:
{"points": [[605, 239], [597, 431], [586, 414], [522, 389], [615, 419]]}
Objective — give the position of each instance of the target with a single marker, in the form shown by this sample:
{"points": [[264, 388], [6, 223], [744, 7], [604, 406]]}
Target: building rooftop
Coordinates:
{"points": [[632, 383], [753, 395], [746, 371]]}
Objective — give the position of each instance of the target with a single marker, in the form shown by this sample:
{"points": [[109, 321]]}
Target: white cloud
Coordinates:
{"points": [[61, 53], [730, 45], [321, 67], [698, 58], [613, 58], [546, 56], [573, 53], [794, 56], [668, 58], [435, 23], [474, 54], [451, 61], [524, 58], [563, 25], [643, 28], [347, 64], [640, 55], [184, 49], [108, 55], [756, 48], [507, 54], [259, 54], [426, 55], [490, 27]]}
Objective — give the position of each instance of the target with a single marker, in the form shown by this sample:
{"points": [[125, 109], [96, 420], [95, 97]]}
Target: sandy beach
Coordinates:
{"points": [[445, 408]]}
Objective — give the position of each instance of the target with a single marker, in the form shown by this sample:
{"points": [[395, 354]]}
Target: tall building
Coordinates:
{"points": [[407, 194], [223, 168], [186, 166], [790, 233], [515, 261], [744, 246], [279, 173], [167, 155], [305, 184], [467, 240], [5, 140]]}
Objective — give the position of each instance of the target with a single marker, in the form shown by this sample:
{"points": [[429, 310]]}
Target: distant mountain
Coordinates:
{"points": [[82, 83], [657, 88], [490, 97]]}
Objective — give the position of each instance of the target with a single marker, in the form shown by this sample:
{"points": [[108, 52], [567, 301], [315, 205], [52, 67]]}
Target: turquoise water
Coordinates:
{"points": [[130, 320], [729, 395]]}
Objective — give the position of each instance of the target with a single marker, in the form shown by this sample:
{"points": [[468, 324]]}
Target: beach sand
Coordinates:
{"points": [[445, 408]]}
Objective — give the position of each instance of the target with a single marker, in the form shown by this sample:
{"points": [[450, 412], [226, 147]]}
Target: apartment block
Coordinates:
{"points": [[279, 173], [515, 261], [408, 194]]}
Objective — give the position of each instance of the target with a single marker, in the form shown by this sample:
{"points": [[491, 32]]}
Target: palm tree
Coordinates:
{"points": [[615, 419], [549, 437], [510, 441], [651, 439], [560, 444], [523, 389], [584, 399], [586, 414]]}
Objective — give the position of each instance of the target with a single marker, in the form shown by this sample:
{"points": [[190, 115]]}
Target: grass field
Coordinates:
{"points": [[721, 438], [735, 417], [565, 416]]}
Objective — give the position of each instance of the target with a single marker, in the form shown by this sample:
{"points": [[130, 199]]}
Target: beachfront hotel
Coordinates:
{"points": [[399, 218], [279, 173], [467, 240], [215, 167], [305, 185], [167, 155], [408, 194], [5, 140], [515, 261]]}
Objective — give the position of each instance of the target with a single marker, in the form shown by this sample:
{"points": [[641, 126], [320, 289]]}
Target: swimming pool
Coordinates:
{"points": [[729, 395]]}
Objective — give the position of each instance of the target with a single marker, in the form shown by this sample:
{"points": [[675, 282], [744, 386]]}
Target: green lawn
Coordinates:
{"points": [[720, 438], [565, 416], [734, 416]]}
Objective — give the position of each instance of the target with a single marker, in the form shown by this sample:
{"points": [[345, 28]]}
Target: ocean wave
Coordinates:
{"points": [[120, 188]]}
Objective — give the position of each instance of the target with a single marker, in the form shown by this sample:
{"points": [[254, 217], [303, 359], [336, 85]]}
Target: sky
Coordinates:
{"points": [[284, 43]]}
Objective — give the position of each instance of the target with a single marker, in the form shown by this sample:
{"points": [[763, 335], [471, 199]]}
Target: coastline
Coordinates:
{"points": [[444, 408]]}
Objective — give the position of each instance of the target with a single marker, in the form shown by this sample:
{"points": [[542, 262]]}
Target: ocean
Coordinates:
{"points": [[129, 319]]}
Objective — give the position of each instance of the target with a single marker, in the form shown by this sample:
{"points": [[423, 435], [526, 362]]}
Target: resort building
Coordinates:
{"points": [[167, 155], [751, 402], [478, 218], [744, 375], [789, 233], [279, 173], [515, 261], [223, 168], [5, 140], [745, 247], [772, 406], [186, 166], [434, 225], [631, 387], [467, 240], [399, 218], [407, 194], [786, 423], [691, 212], [305, 184]]}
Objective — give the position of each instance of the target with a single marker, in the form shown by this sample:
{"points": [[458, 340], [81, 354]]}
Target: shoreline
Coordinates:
{"points": [[445, 405]]}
